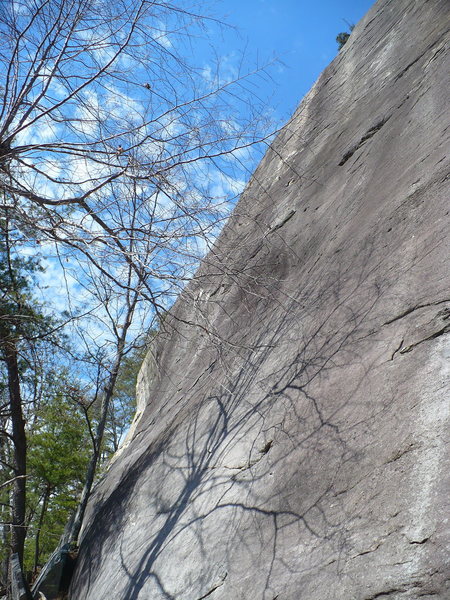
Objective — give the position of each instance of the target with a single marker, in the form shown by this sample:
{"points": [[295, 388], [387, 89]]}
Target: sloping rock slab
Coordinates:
{"points": [[293, 443]]}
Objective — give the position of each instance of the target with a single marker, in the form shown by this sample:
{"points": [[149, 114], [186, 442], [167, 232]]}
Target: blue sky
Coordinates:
{"points": [[301, 33]]}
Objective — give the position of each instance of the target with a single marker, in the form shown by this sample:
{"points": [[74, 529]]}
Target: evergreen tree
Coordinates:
{"points": [[59, 451], [21, 322], [42, 428], [342, 37]]}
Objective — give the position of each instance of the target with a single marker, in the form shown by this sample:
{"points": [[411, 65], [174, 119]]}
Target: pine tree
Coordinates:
{"points": [[20, 322], [59, 451], [25, 330], [342, 37]]}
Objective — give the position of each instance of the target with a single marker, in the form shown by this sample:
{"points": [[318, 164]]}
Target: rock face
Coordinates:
{"points": [[292, 444]]}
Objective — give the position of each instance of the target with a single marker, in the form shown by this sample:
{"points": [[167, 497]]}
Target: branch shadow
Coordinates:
{"points": [[253, 412]]}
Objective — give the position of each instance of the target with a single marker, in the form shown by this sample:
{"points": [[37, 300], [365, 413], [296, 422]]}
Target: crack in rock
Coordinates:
{"points": [[439, 323], [401, 452], [385, 593], [442, 331], [397, 349], [408, 311], [251, 463], [418, 542], [282, 222], [214, 588], [412, 63], [370, 133]]}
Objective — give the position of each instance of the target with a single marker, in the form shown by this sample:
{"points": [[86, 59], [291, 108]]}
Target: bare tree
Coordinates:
{"points": [[97, 94], [117, 308], [117, 153]]}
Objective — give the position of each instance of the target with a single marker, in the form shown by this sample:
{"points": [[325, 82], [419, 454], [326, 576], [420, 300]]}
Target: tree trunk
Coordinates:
{"points": [[40, 524], [5, 515], [18, 496], [107, 395], [18, 531], [106, 399]]}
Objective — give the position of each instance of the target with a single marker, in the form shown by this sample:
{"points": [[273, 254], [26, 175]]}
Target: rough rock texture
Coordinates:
{"points": [[293, 440]]}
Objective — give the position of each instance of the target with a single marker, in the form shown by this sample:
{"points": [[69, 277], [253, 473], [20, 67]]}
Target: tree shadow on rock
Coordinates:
{"points": [[240, 483]]}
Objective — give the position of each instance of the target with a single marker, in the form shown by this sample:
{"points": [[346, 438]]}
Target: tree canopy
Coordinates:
{"points": [[120, 159]]}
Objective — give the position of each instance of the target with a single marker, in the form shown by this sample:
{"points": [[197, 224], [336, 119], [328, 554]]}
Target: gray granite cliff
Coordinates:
{"points": [[291, 442]]}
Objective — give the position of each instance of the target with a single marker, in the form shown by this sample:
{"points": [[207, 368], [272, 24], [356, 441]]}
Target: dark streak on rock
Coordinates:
{"points": [[418, 542], [416, 60], [370, 133], [430, 337], [397, 350], [397, 455], [410, 310], [385, 593], [213, 589], [411, 64]]}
